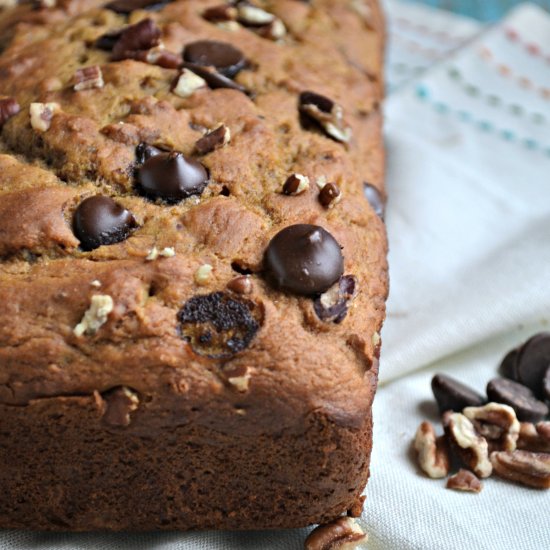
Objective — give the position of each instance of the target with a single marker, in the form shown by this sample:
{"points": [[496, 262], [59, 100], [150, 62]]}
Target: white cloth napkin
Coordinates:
{"points": [[469, 226]]}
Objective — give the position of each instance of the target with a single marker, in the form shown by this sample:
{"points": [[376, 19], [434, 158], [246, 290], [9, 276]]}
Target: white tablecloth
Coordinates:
{"points": [[468, 137]]}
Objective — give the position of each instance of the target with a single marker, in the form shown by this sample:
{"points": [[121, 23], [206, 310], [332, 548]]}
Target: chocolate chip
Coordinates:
{"points": [[375, 199], [108, 40], [125, 7], [99, 220], [219, 325], [507, 367], [520, 398], [136, 39], [214, 79], [532, 362], [325, 113], [8, 108], [225, 58], [304, 259], [332, 305], [452, 395], [213, 140], [172, 177], [329, 195], [144, 152], [546, 386]]}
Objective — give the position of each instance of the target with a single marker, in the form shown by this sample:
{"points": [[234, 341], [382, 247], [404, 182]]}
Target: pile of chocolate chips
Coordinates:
{"points": [[506, 432]]}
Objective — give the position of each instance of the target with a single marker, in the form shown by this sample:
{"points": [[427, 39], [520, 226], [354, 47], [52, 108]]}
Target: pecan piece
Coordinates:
{"points": [[8, 108], [470, 447], [325, 112], [534, 437], [497, 423], [88, 78], [341, 533], [464, 480], [433, 454], [532, 469], [332, 305], [42, 114], [295, 184], [214, 139], [136, 39]]}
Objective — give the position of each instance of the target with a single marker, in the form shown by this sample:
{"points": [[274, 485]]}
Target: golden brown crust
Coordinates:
{"points": [[300, 369]]}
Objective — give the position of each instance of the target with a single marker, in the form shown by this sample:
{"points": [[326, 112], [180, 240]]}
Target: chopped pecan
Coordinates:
{"points": [[328, 114], [341, 533], [497, 423], [42, 114], [464, 480], [332, 305], [214, 139], [8, 108], [88, 78], [532, 469], [433, 454], [295, 184], [188, 83], [534, 437], [468, 444], [136, 39]]}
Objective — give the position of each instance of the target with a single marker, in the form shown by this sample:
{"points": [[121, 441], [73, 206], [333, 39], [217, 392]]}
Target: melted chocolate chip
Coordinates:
{"points": [[452, 395], [8, 108], [225, 58], [375, 199], [99, 220], [219, 325], [108, 40], [136, 39], [332, 306], [125, 7], [214, 79], [144, 152], [172, 177], [520, 398], [532, 361], [304, 259]]}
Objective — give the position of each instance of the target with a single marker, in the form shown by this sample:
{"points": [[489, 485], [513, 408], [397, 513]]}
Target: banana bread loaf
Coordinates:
{"points": [[192, 278]]}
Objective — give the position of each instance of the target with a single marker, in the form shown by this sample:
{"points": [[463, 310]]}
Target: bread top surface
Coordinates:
{"points": [[294, 363]]}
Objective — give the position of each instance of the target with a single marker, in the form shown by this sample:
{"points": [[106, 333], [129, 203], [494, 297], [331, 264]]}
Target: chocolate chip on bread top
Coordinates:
{"points": [[192, 280]]}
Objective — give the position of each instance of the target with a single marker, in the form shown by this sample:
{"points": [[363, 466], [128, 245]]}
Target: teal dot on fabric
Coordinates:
{"points": [[441, 107], [485, 125], [530, 144], [465, 116], [493, 100], [422, 92], [538, 118], [516, 109], [454, 73], [472, 90], [508, 135]]}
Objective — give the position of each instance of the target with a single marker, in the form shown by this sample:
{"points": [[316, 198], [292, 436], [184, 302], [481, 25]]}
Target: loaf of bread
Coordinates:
{"points": [[193, 261]]}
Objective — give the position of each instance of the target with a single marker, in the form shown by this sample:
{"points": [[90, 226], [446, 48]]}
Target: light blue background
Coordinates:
{"points": [[486, 10]]}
